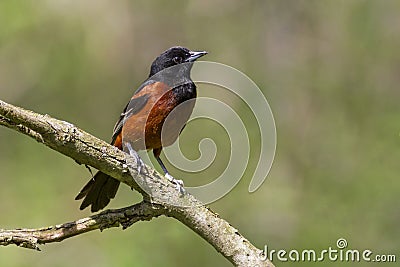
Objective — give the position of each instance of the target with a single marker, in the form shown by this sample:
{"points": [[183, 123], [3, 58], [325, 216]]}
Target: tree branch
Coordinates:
{"points": [[163, 200], [31, 238]]}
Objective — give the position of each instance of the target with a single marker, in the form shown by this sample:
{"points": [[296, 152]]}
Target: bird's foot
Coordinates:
{"points": [[139, 162], [178, 183]]}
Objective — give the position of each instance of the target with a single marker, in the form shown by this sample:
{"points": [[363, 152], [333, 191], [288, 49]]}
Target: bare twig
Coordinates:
{"points": [[165, 200], [31, 238]]}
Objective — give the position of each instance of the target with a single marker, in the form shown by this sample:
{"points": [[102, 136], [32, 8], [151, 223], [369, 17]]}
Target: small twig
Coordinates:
{"points": [[31, 238]]}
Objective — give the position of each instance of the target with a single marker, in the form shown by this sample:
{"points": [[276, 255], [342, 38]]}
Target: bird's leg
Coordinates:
{"points": [[139, 162], [178, 183], [167, 175]]}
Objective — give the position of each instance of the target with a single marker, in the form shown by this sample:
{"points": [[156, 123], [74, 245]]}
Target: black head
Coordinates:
{"points": [[174, 56]]}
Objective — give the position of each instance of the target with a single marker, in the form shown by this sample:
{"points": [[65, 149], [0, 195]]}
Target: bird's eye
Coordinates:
{"points": [[177, 60]]}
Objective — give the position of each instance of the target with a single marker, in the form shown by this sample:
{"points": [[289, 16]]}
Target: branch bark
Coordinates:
{"points": [[31, 238], [164, 199]]}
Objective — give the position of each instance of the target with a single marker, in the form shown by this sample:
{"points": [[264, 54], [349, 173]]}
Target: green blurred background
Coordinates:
{"points": [[329, 69]]}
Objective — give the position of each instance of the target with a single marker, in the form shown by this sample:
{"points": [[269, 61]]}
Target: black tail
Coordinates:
{"points": [[98, 192]]}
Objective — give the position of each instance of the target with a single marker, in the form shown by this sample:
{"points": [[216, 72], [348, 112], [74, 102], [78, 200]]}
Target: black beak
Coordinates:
{"points": [[195, 55]]}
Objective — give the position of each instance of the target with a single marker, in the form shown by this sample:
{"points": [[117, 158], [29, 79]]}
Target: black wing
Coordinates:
{"points": [[133, 107]]}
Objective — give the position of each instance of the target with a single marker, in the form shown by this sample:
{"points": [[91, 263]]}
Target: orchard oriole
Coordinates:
{"points": [[141, 122]]}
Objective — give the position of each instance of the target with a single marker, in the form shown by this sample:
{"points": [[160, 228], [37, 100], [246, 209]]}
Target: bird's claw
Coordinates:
{"points": [[178, 183], [139, 162]]}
